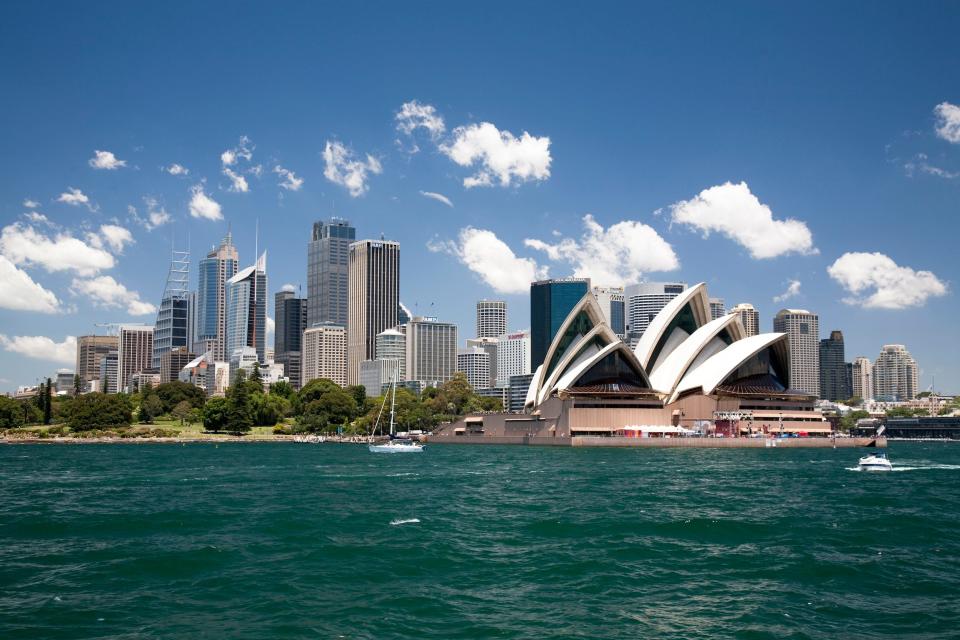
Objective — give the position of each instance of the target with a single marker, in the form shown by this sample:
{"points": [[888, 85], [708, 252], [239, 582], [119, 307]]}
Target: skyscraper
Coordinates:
{"points": [[749, 317], [173, 318], [834, 376], [290, 313], [513, 356], [90, 350], [474, 362], [896, 376], [803, 335], [491, 318], [214, 271], [325, 353], [550, 303], [107, 375], [717, 308], [327, 279], [134, 353], [612, 302], [490, 346], [246, 315], [391, 344], [862, 378], [374, 298], [644, 301], [431, 350], [172, 363]]}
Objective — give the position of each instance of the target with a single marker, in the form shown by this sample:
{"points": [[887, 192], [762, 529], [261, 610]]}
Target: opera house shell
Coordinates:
{"points": [[687, 371]]}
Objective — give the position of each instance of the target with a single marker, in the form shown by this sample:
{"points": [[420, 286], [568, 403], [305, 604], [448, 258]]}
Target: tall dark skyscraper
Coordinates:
{"points": [[374, 299], [291, 321], [550, 303], [835, 378], [327, 256]]}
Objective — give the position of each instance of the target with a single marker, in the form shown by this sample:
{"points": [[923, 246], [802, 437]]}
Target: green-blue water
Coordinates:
{"points": [[331, 541]]}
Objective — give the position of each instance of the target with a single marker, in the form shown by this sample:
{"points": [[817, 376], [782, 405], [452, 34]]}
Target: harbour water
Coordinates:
{"points": [[330, 541]]}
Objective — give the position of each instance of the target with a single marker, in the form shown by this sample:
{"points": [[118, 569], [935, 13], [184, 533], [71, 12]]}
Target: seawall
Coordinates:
{"points": [[695, 443]]}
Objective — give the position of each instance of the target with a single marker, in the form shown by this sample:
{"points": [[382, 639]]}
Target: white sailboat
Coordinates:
{"points": [[394, 445]]}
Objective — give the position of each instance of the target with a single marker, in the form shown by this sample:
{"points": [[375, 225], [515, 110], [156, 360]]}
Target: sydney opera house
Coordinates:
{"points": [[689, 374]]}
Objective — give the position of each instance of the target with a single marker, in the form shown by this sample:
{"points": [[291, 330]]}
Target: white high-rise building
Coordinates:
{"points": [[717, 308], [896, 375], [134, 352], [431, 350], [611, 300], [490, 346], [391, 344], [513, 356], [324, 354], [749, 317], [863, 378], [491, 318], [474, 362], [644, 301], [803, 334]]}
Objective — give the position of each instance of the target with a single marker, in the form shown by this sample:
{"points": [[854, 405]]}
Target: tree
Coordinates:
{"points": [[359, 393], [282, 389], [849, 421], [182, 411], [900, 412], [173, 393], [47, 402], [854, 401], [100, 411], [215, 414], [150, 405], [239, 410], [76, 384], [315, 389], [255, 376], [10, 413], [334, 408], [924, 394]]}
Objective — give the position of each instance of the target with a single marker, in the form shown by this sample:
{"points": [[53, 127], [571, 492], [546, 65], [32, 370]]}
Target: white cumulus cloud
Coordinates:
{"points": [[732, 210], [243, 150], [31, 204], [202, 205], [42, 347], [948, 122], [116, 237], [24, 245], [176, 169], [343, 168], [875, 281], [238, 183], [439, 197], [493, 260], [793, 290], [106, 292], [19, 292], [618, 255], [156, 214], [76, 198], [415, 115], [106, 160], [288, 180], [501, 157]]}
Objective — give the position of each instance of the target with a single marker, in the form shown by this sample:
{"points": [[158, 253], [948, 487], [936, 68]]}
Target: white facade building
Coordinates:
{"points": [[863, 378], [513, 356], [749, 318], [896, 375], [491, 318], [324, 354], [803, 332], [431, 350], [474, 362], [391, 344], [644, 301]]}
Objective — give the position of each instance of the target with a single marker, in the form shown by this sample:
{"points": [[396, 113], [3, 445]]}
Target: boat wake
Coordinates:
{"points": [[929, 467], [394, 523]]}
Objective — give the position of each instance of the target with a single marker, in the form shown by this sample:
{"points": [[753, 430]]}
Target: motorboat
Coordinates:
{"points": [[394, 444], [875, 462]]}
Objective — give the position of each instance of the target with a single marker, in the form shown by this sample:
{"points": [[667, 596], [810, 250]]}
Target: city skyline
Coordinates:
{"points": [[831, 193]]}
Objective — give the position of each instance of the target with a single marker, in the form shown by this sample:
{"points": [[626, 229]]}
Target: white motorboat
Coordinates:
{"points": [[875, 462], [394, 445]]}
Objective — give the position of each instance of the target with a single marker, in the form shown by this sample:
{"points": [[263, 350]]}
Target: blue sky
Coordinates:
{"points": [[748, 145]]}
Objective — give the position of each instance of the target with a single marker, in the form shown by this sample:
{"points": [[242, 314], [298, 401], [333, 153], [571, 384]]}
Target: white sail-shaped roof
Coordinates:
{"points": [[696, 297], [711, 373], [671, 369], [574, 373], [582, 350], [531, 400], [570, 334]]}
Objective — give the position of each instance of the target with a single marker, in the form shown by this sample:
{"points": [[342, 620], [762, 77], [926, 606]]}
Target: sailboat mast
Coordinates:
{"points": [[393, 402]]}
